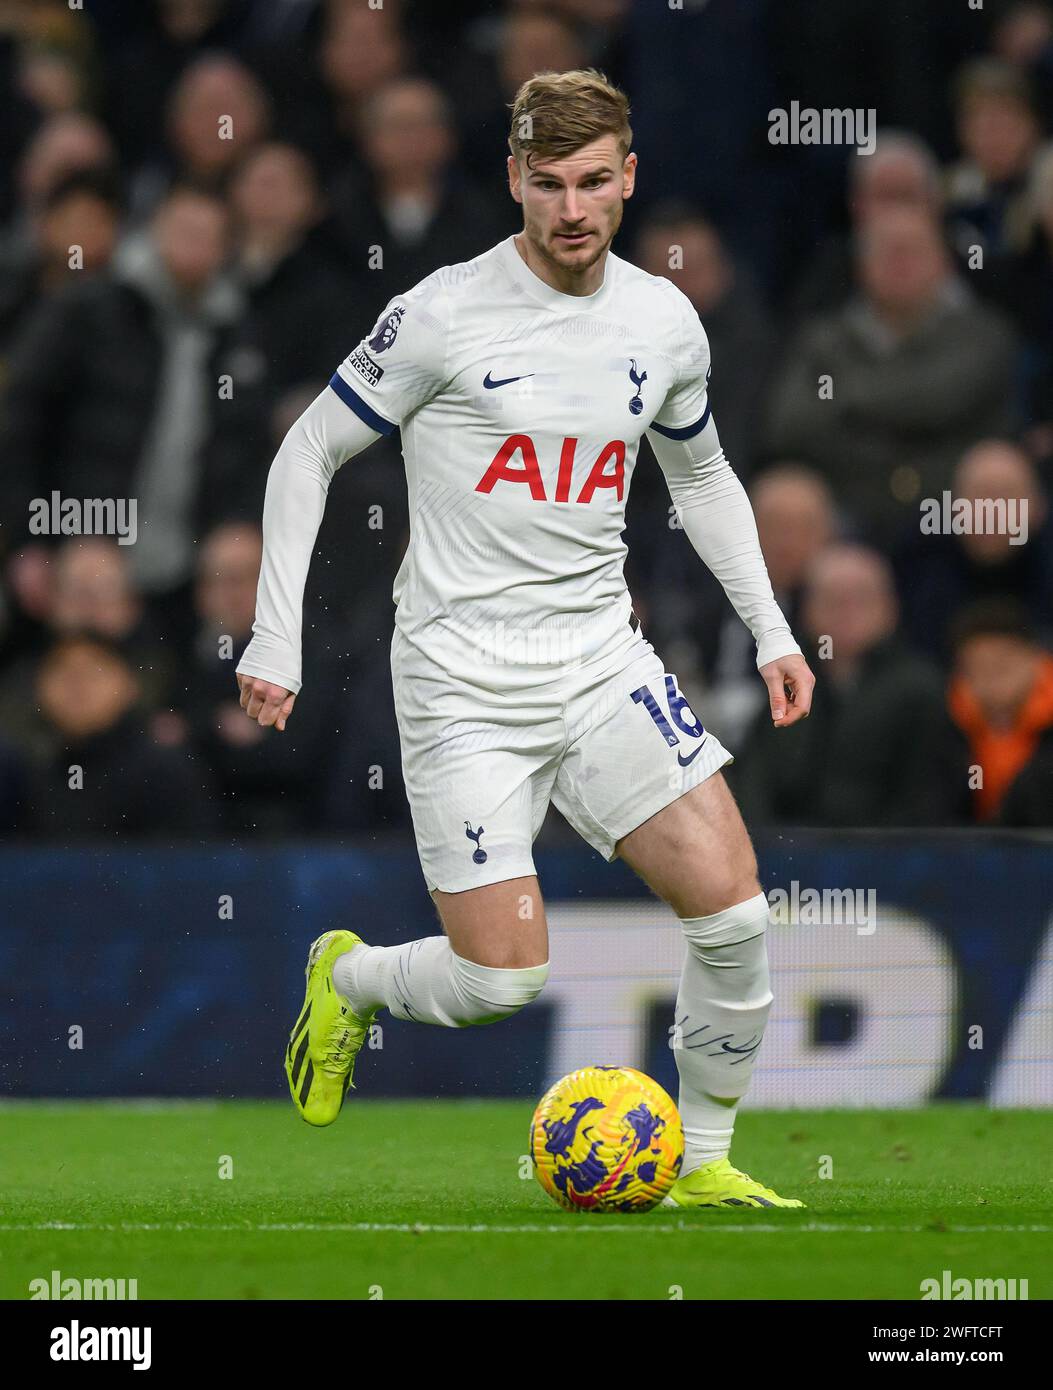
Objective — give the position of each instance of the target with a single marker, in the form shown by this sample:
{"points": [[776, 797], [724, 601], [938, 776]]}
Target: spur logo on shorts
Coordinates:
{"points": [[608, 471], [479, 857]]}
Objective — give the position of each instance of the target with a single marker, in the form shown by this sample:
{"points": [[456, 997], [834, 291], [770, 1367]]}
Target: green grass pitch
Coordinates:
{"points": [[425, 1200]]}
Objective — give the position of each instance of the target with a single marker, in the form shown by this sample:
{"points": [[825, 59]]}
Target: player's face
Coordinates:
{"points": [[572, 207]]}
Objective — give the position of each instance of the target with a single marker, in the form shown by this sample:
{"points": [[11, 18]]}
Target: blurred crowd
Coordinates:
{"points": [[205, 203]]}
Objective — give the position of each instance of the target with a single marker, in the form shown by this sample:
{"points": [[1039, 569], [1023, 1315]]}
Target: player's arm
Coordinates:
{"points": [[718, 520], [325, 435], [384, 380]]}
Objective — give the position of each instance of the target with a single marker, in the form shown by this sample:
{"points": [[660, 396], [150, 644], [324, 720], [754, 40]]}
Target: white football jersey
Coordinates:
{"points": [[521, 411]]}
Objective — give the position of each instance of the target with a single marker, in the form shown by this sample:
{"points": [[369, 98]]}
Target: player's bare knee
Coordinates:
{"points": [[716, 894], [736, 882]]}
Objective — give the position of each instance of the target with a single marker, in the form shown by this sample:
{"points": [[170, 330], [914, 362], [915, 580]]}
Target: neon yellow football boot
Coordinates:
{"points": [[326, 1038], [717, 1184]]}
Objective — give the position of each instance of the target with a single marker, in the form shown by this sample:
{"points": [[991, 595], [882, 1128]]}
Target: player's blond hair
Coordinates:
{"points": [[556, 113]]}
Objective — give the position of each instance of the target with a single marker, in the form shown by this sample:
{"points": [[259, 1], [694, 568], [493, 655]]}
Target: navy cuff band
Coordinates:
{"points": [[365, 412], [688, 432]]}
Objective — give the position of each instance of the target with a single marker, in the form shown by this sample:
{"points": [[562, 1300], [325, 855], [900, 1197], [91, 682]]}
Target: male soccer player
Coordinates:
{"points": [[522, 382]]}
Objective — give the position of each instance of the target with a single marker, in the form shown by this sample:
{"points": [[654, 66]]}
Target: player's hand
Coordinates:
{"points": [[790, 684], [266, 703]]}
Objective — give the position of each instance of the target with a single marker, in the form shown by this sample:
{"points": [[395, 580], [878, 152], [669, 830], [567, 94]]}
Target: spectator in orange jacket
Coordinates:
{"points": [[1001, 698]]}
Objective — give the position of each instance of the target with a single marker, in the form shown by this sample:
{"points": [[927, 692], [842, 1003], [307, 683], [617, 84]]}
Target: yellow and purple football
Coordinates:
{"points": [[606, 1139]]}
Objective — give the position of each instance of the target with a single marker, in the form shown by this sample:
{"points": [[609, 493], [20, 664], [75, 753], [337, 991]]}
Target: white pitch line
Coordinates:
{"points": [[594, 1227]]}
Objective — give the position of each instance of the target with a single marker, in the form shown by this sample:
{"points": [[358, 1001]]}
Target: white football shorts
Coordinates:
{"points": [[608, 750]]}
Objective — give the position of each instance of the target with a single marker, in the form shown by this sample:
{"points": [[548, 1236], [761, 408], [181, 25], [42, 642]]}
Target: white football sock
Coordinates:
{"points": [[721, 1010], [426, 982]]}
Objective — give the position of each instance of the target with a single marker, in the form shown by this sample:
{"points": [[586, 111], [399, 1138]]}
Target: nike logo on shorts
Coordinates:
{"points": [[690, 757]]}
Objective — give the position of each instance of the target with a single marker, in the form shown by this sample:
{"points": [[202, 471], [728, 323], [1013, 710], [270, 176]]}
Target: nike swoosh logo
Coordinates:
{"points": [[690, 757], [492, 385]]}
